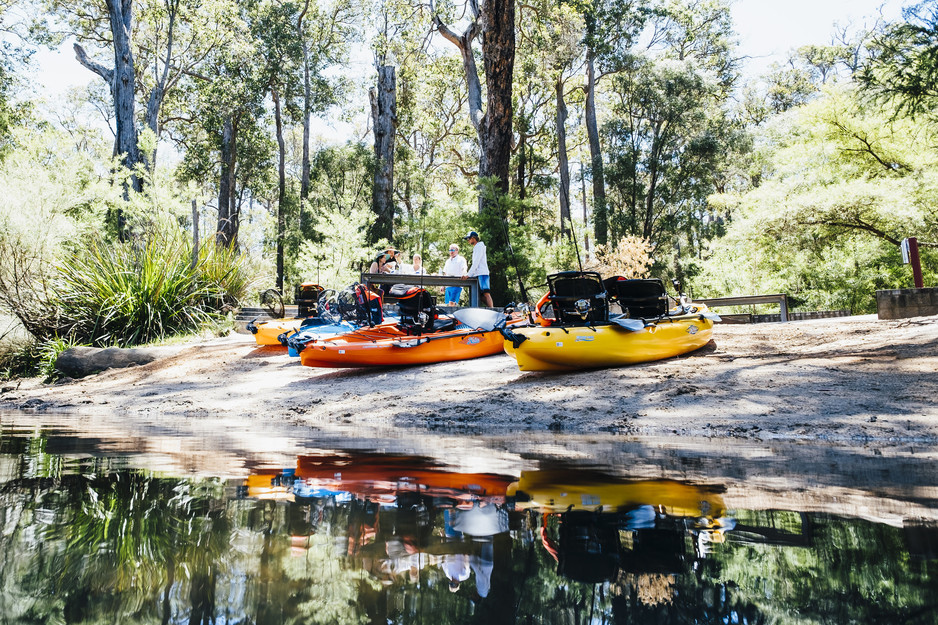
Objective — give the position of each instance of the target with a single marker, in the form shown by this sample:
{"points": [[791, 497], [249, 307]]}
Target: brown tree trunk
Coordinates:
{"points": [[600, 213], [498, 54], [563, 163], [654, 159], [384, 122], [282, 187]]}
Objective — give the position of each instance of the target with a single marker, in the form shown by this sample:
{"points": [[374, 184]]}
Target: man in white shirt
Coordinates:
{"points": [[480, 267], [456, 267]]}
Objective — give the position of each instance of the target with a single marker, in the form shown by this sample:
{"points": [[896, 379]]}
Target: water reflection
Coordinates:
{"points": [[364, 537]]}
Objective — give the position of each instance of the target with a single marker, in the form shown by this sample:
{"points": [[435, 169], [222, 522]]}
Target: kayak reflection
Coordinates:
{"points": [[597, 526], [408, 514]]}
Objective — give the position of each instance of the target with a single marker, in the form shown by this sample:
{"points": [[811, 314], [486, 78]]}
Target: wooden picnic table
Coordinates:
{"points": [[425, 281]]}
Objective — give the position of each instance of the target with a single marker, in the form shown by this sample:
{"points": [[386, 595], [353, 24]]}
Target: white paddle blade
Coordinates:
{"points": [[480, 318]]}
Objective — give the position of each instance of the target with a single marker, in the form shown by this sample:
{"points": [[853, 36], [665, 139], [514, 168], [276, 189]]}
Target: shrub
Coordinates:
{"points": [[132, 293]]}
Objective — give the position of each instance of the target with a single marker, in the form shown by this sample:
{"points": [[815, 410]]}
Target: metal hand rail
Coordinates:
{"points": [[747, 300]]}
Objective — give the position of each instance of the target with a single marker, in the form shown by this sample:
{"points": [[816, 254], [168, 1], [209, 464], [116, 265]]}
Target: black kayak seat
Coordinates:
{"points": [[568, 289], [639, 298], [306, 297]]}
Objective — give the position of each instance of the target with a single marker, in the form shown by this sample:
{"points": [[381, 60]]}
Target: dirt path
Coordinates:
{"points": [[858, 380]]}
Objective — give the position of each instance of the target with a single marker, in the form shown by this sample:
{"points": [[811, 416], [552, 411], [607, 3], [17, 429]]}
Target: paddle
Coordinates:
{"points": [[481, 318], [632, 325], [711, 316]]}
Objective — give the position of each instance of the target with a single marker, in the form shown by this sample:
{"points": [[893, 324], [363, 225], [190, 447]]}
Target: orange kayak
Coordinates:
{"points": [[393, 346]]}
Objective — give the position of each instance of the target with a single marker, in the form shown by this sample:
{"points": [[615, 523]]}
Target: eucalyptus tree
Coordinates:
{"points": [[326, 31], [904, 62], [552, 58], [494, 22], [611, 30], [280, 57], [172, 40], [438, 147], [384, 121], [110, 25], [670, 135], [225, 132]]}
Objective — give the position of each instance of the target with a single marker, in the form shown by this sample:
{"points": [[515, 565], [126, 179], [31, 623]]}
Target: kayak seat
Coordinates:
{"points": [[578, 297], [417, 308], [643, 298], [306, 297], [444, 324]]}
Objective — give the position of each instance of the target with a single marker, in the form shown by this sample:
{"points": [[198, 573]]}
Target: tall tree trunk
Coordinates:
{"points": [[227, 231], [600, 211], [121, 80], [654, 159], [120, 12], [463, 43], [282, 187], [563, 163], [498, 54], [384, 122], [496, 23], [158, 93]]}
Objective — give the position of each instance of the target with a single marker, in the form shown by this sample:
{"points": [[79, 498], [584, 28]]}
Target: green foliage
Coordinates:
{"points": [[339, 251], [509, 245], [128, 294], [332, 248], [27, 357], [903, 66], [844, 185]]}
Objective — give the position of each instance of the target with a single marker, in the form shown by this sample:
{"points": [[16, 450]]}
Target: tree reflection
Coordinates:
{"points": [[94, 541]]}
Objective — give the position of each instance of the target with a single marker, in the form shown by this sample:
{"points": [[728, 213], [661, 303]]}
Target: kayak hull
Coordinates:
{"points": [[571, 348], [391, 347], [564, 491], [268, 331]]}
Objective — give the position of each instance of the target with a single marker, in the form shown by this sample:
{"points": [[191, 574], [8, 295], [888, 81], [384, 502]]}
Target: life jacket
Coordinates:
{"points": [[368, 305]]}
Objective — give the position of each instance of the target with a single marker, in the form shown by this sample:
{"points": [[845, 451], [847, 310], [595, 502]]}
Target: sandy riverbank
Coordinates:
{"points": [[856, 379]]}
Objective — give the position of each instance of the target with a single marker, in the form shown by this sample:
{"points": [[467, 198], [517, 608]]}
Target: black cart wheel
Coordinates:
{"points": [[272, 303]]}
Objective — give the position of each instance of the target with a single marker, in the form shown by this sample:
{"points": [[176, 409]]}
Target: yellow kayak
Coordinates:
{"points": [[563, 491], [559, 348], [266, 332]]}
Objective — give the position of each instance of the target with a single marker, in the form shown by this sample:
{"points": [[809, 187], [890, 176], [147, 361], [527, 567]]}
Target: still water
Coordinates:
{"points": [[92, 531]]}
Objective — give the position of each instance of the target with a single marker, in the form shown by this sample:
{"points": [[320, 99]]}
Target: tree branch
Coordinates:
{"points": [[97, 68]]}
